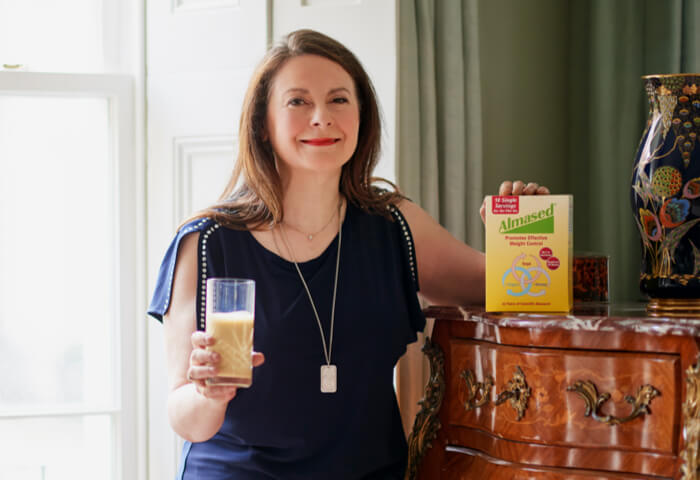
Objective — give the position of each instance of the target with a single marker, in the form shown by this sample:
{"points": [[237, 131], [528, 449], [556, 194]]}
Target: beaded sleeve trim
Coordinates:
{"points": [[407, 243], [201, 311], [171, 272]]}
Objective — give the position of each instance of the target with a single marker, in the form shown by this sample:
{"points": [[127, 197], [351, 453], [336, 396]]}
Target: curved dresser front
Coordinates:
{"points": [[606, 392]]}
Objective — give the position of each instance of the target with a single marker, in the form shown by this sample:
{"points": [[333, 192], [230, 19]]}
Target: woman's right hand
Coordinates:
{"points": [[205, 364], [515, 188]]}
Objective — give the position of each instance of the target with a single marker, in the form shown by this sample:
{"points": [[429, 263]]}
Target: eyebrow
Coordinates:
{"points": [[304, 90]]}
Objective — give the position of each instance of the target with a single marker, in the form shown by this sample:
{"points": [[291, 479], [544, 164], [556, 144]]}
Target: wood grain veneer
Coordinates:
{"points": [[618, 351]]}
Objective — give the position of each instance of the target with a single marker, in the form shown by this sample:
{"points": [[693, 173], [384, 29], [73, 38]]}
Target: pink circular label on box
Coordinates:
{"points": [[552, 263]]}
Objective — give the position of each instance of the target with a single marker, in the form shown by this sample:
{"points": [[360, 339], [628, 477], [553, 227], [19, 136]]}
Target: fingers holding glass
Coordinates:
{"points": [[257, 359], [201, 339], [203, 365]]}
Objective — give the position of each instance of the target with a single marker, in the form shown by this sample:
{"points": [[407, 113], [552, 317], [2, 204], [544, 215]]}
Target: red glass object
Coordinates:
{"points": [[590, 278]]}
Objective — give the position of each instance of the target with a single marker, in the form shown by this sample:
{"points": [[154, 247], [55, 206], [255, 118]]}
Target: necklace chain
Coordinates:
{"points": [[329, 350], [310, 236]]}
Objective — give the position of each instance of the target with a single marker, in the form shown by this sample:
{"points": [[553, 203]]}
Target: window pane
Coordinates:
{"points": [[47, 35], [57, 255], [77, 448]]}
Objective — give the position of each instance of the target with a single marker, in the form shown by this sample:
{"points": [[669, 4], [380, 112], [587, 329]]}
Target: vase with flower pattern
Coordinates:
{"points": [[666, 195]]}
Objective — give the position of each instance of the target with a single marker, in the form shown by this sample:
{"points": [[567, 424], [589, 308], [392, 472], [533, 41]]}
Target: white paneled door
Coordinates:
{"points": [[200, 54]]}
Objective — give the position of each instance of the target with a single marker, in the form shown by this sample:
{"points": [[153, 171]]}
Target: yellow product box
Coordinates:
{"points": [[529, 253]]}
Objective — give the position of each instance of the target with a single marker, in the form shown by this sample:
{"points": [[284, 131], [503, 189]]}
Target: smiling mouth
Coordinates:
{"points": [[320, 142]]}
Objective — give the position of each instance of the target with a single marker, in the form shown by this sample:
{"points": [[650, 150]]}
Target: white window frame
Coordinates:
{"points": [[129, 418]]}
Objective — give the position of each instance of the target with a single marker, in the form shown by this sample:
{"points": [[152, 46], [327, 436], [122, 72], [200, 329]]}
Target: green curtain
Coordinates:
{"points": [[439, 140], [446, 145], [612, 44]]}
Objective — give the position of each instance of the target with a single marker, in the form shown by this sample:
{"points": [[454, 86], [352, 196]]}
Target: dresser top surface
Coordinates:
{"points": [[600, 317]]}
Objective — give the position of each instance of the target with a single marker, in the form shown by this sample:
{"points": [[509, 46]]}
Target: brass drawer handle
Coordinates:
{"points": [[587, 390], [478, 393]]}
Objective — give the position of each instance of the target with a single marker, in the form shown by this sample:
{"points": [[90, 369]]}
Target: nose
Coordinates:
{"points": [[321, 117]]}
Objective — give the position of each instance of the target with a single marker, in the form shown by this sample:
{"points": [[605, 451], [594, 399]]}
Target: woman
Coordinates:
{"points": [[336, 279]]}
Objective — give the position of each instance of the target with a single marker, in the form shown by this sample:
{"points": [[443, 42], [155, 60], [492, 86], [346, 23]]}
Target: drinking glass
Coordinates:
{"points": [[230, 316]]}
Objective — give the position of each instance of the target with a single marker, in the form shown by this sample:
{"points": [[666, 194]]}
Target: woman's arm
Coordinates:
{"points": [[451, 272], [196, 412]]}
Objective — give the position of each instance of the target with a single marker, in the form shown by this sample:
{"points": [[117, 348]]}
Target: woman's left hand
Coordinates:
{"points": [[517, 187]]}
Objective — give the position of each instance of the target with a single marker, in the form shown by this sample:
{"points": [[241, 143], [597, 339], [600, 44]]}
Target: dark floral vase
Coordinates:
{"points": [[666, 194]]}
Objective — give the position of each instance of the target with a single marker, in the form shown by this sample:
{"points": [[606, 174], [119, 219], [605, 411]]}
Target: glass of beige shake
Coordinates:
{"points": [[229, 319]]}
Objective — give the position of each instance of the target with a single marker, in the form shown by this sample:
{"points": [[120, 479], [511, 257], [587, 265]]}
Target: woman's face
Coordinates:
{"points": [[313, 115]]}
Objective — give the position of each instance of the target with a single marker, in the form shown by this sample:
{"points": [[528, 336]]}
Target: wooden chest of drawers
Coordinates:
{"points": [[609, 395]]}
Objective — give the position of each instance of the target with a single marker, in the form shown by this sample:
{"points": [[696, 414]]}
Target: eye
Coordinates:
{"points": [[340, 100], [295, 102]]}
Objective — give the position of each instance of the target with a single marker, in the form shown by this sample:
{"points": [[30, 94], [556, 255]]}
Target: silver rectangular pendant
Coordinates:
{"points": [[329, 379]]}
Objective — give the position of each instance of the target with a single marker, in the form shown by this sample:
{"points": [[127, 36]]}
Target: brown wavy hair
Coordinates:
{"points": [[253, 196]]}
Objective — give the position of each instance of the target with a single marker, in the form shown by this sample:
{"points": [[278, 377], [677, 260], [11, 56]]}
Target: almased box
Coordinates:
{"points": [[529, 253]]}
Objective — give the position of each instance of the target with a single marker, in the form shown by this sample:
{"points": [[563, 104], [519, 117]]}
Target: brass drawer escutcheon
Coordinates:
{"points": [[478, 393], [517, 391], [587, 390]]}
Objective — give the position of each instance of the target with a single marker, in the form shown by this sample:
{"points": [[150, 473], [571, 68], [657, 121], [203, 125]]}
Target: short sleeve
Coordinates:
{"points": [[160, 301], [409, 270]]}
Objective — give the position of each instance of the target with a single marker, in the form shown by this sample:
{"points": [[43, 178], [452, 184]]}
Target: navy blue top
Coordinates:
{"points": [[283, 426]]}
